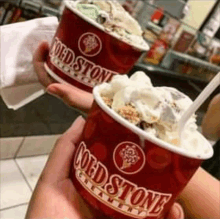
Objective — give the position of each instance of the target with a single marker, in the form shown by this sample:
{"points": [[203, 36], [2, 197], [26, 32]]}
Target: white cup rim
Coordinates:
{"points": [[89, 20], [145, 135]]}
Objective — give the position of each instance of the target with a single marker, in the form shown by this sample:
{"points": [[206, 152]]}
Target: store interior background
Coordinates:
{"points": [[28, 134]]}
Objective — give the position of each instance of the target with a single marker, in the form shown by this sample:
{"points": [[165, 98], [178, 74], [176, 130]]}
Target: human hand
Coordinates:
{"points": [[55, 195], [71, 95]]}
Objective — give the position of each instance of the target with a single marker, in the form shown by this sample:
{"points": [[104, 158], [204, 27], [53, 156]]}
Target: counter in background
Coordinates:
{"points": [[189, 66], [46, 115]]}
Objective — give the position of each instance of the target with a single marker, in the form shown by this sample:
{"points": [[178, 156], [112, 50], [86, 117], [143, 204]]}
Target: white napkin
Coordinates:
{"points": [[18, 81]]}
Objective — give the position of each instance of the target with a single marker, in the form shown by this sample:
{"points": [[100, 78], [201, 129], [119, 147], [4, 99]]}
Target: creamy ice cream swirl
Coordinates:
{"points": [[114, 19], [158, 109]]}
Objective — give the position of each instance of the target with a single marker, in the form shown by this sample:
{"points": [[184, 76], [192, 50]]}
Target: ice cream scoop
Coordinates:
{"points": [[113, 17], [156, 110]]}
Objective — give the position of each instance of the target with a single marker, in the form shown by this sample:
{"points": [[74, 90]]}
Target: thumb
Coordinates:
{"points": [[60, 160], [41, 53], [176, 212]]}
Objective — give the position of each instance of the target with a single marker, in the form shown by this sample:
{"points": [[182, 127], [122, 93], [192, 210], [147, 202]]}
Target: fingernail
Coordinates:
{"points": [[52, 91], [78, 121], [77, 124], [41, 42], [177, 211]]}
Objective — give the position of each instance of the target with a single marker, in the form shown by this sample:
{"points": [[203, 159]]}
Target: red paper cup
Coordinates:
{"points": [[83, 54], [125, 173]]}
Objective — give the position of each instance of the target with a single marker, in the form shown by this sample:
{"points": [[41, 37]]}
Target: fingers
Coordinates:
{"points": [[59, 163], [72, 96], [176, 212], [42, 52], [40, 56]]}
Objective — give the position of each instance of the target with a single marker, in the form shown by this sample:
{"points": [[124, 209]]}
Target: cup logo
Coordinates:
{"points": [[114, 190], [90, 44], [128, 157]]}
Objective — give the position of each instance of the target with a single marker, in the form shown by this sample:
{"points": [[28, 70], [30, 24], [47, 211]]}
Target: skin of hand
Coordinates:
{"points": [[201, 196], [55, 195], [211, 120]]}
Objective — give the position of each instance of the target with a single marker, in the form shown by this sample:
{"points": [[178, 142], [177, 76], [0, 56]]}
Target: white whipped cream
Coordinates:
{"points": [[161, 107]]}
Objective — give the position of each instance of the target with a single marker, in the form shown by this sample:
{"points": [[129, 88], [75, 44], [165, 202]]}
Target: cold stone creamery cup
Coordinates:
{"points": [[83, 54], [123, 172]]}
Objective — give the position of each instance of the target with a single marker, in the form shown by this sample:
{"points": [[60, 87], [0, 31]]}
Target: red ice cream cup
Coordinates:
{"points": [[84, 54], [123, 172]]}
